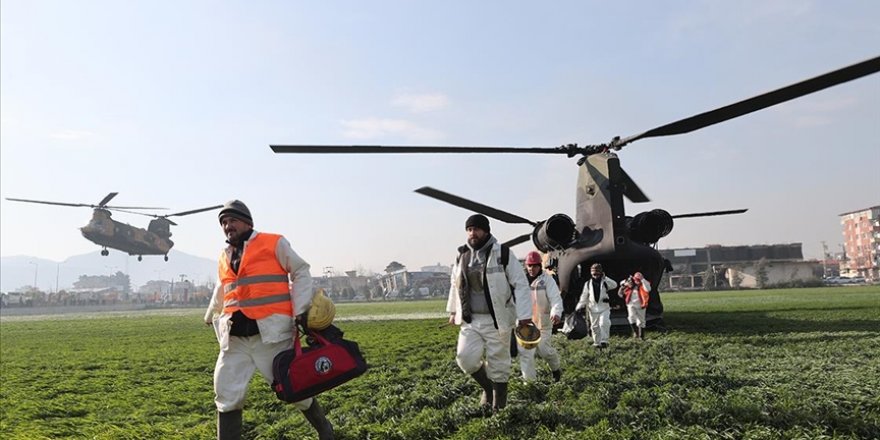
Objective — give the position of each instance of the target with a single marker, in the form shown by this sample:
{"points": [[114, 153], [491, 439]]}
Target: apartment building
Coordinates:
{"points": [[861, 241]]}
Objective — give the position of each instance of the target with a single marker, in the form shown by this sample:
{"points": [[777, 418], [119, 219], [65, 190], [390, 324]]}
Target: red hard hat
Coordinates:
{"points": [[533, 257]]}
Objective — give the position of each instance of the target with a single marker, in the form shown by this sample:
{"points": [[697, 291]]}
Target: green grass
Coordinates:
{"points": [[775, 364], [345, 310]]}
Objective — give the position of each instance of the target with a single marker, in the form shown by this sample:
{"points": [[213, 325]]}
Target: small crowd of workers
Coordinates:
{"points": [[491, 295], [265, 289]]}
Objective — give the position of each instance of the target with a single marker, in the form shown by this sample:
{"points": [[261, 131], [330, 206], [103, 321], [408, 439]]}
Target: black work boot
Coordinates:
{"points": [[635, 330], [316, 418], [557, 375], [229, 425], [500, 396], [486, 398]]}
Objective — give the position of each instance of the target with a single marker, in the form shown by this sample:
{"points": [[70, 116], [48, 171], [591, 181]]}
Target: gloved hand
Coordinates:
{"points": [[302, 318]]}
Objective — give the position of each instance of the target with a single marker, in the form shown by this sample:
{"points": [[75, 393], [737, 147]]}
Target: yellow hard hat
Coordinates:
{"points": [[528, 335], [321, 312]]}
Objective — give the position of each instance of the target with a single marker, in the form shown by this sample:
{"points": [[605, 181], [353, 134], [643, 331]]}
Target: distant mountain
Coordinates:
{"points": [[19, 271]]}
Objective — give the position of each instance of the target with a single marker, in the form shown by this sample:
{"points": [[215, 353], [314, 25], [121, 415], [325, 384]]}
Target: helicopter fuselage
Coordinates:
{"points": [[602, 236], [105, 231]]}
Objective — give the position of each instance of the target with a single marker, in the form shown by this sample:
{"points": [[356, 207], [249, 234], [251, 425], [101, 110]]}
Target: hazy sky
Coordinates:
{"points": [[175, 104]]}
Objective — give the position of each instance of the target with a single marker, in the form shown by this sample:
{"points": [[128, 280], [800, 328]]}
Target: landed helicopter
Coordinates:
{"points": [[602, 232], [108, 233]]}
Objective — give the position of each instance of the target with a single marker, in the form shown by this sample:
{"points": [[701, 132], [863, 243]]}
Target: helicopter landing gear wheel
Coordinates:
{"points": [[166, 258], [140, 258], [105, 252]]}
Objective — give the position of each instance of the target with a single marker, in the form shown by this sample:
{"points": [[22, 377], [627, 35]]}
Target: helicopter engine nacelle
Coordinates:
{"points": [[650, 226], [556, 233]]}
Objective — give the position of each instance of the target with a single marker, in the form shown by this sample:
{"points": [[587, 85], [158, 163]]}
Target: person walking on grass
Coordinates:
{"points": [[489, 295], [547, 301], [263, 284], [594, 299], [635, 293]]}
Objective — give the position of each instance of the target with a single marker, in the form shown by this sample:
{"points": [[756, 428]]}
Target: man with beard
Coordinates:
{"points": [[263, 284], [547, 313], [595, 300], [488, 297]]}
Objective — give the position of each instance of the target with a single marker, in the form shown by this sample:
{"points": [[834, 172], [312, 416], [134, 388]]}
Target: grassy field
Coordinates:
{"points": [[776, 364]]}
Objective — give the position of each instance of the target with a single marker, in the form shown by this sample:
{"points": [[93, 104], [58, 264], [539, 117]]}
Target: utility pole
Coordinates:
{"points": [[824, 260], [57, 271], [185, 287], [36, 266]]}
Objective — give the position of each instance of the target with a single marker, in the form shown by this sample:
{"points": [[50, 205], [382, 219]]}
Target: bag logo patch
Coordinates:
{"points": [[323, 365]]}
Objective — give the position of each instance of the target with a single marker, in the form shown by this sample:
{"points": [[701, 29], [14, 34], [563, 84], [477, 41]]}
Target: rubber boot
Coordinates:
{"points": [[486, 398], [500, 396], [635, 330], [316, 418], [229, 425], [557, 375]]}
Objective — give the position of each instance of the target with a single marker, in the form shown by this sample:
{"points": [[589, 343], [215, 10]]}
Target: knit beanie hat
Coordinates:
{"points": [[236, 209], [477, 221]]}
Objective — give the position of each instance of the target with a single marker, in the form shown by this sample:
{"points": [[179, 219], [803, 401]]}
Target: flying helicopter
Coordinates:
{"points": [[601, 231], [108, 233]]}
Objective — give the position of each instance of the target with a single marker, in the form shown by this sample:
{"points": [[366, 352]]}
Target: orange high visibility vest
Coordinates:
{"points": [[643, 295], [261, 286]]}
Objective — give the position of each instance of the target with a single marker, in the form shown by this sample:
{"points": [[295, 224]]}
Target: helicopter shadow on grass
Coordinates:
{"points": [[758, 323]]}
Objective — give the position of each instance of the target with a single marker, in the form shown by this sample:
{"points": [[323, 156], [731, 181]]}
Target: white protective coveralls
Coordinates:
{"points": [[240, 356], [548, 302], [490, 332], [599, 311]]}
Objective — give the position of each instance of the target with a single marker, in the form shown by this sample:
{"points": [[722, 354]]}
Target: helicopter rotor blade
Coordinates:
{"points": [[50, 203], [631, 190], [193, 211], [759, 102], [518, 240], [83, 205], [711, 213], [397, 149], [126, 210], [489, 211], [106, 199], [128, 207], [165, 216]]}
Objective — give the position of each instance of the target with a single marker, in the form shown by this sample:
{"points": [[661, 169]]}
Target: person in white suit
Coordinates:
{"points": [[488, 298], [547, 313], [595, 300]]}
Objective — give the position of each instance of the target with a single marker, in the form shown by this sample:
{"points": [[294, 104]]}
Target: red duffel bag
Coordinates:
{"points": [[324, 364]]}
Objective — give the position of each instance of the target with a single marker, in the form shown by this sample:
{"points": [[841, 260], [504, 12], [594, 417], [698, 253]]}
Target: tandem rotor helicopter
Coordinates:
{"points": [[108, 233], [601, 231]]}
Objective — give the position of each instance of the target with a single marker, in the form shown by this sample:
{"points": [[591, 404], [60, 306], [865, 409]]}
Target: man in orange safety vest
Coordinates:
{"points": [[263, 285]]}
